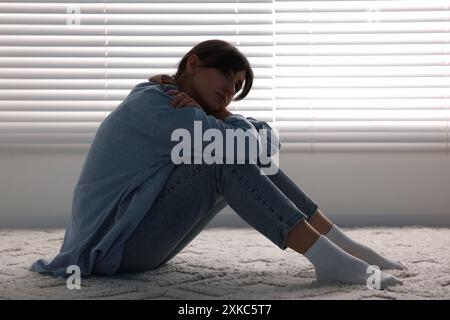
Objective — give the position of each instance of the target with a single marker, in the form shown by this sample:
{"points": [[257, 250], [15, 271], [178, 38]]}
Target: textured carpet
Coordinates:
{"points": [[224, 263]]}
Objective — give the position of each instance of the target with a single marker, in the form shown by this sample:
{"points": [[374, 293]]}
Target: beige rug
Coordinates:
{"points": [[223, 263]]}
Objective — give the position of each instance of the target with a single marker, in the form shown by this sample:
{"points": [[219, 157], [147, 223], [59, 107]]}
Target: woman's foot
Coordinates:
{"points": [[334, 264], [361, 251], [325, 227]]}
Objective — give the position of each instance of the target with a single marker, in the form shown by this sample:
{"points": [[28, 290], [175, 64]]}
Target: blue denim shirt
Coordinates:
{"points": [[125, 169]]}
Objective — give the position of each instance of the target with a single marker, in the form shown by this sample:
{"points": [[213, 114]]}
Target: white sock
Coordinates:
{"points": [[331, 263], [361, 251]]}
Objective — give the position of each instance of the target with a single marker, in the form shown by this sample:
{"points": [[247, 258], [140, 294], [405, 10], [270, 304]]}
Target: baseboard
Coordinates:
{"points": [[232, 220]]}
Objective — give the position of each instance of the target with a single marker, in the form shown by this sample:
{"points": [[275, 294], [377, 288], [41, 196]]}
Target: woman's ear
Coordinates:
{"points": [[192, 64]]}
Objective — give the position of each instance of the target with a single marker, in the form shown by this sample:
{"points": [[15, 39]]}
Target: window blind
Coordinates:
{"points": [[330, 75], [65, 66], [362, 75]]}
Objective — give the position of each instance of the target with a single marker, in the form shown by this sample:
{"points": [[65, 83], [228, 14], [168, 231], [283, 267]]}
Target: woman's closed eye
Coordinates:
{"points": [[227, 74]]}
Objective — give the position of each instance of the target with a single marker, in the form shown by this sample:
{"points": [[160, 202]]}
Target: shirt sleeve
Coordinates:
{"points": [[272, 140], [192, 133]]}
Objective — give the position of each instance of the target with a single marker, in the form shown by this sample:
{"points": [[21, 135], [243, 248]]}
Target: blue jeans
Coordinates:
{"points": [[195, 193]]}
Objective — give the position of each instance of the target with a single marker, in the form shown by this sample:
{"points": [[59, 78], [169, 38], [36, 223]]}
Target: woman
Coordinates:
{"points": [[134, 209]]}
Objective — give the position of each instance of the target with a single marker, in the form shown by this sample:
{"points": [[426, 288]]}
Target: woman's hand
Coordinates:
{"points": [[162, 79], [182, 99]]}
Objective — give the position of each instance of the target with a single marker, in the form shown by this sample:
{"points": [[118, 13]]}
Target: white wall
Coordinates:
{"points": [[352, 188]]}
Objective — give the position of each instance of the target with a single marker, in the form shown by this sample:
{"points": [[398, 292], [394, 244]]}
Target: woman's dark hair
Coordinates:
{"points": [[220, 55]]}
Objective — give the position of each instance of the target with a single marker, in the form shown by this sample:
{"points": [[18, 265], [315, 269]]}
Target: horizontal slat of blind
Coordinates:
{"points": [[138, 19], [109, 105], [38, 116], [47, 127], [146, 41], [147, 1], [88, 73], [362, 50], [151, 7], [46, 138], [124, 84], [361, 104], [361, 115], [294, 16], [143, 30], [62, 73], [250, 40], [362, 75], [128, 52], [86, 94], [364, 147], [349, 28], [67, 62]]}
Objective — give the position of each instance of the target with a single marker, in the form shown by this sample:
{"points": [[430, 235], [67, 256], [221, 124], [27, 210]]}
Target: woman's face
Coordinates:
{"points": [[213, 88]]}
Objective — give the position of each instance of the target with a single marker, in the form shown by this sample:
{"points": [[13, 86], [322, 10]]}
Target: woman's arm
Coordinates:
{"points": [[273, 140], [184, 100]]}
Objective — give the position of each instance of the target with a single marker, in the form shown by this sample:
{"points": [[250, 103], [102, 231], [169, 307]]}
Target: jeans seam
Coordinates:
{"points": [[242, 182], [182, 181], [285, 226]]}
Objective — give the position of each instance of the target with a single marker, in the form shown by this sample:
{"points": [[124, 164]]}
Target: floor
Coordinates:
{"points": [[227, 263]]}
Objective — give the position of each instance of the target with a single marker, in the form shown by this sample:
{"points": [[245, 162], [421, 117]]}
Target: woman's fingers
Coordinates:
{"points": [[162, 79], [177, 96], [185, 101], [181, 99], [182, 102]]}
